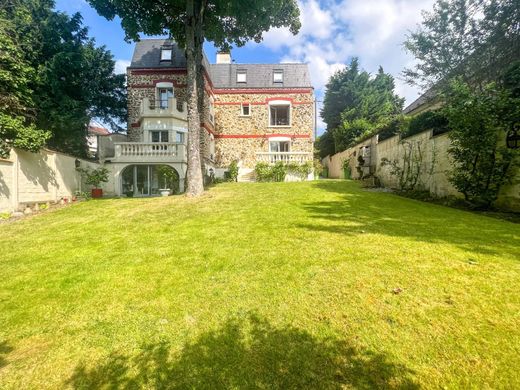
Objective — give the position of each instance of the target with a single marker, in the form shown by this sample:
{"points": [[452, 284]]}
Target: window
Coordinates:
{"points": [[246, 109], [166, 53], [279, 146], [241, 76], [279, 115], [159, 136], [179, 138], [164, 95], [278, 76]]}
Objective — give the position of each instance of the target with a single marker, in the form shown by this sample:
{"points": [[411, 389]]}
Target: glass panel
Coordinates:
{"points": [[164, 95], [127, 178], [166, 54], [142, 180], [164, 136], [245, 109], [241, 77], [278, 76], [280, 115], [179, 138], [155, 136]]}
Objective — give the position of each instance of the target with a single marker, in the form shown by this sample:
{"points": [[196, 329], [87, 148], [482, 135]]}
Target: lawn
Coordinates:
{"points": [[277, 285]]}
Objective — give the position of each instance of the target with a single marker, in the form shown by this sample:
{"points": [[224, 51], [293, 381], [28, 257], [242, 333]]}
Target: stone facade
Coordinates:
{"points": [[226, 135], [240, 137]]}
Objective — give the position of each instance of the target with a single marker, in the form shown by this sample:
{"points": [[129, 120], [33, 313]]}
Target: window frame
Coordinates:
{"points": [[248, 105], [241, 72], [280, 103], [166, 49], [160, 132], [278, 72]]}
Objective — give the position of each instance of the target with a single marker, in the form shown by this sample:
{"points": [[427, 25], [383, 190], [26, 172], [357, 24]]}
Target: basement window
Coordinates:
{"points": [[246, 109], [241, 76], [166, 53]]}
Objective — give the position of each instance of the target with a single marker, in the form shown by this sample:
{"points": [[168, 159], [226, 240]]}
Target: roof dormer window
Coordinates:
{"points": [[278, 76], [241, 76], [166, 53]]}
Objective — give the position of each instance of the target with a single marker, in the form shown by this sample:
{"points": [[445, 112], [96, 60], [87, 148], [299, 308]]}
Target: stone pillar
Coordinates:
{"points": [[181, 185]]}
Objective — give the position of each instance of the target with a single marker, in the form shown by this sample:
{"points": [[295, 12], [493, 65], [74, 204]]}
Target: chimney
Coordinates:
{"points": [[223, 57]]}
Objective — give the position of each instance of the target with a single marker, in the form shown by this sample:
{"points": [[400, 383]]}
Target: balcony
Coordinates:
{"points": [[169, 108], [143, 152], [285, 157]]}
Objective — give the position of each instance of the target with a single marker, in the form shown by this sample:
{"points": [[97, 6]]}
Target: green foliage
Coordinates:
{"points": [[356, 105], [168, 177], [318, 167], [482, 162], [324, 145], [429, 120], [53, 79], [475, 40], [233, 171], [407, 170], [94, 177], [265, 172]]}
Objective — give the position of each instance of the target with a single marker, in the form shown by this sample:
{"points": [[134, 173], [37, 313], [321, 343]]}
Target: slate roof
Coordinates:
{"points": [[260, 75], [147, 54]]}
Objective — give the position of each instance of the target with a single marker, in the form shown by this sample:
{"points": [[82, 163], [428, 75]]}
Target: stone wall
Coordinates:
{"points": [[435, 165], [241, 137]]}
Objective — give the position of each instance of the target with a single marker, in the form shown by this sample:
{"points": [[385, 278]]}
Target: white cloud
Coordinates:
{"points": [[334, 32], [121, 65]]}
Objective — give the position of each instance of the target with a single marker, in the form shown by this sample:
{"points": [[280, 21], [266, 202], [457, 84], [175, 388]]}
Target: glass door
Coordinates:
{"points": [[142, 180]]}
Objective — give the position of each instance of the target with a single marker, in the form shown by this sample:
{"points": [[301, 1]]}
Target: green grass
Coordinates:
{"points": [[275, 285]]}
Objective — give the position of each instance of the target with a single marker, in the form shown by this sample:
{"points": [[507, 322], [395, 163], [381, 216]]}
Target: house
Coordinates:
{"points": [[252, 113], [93, 134]]}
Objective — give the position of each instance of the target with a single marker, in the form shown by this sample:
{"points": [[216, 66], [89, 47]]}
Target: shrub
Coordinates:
{"points": [[94, 177], [233, 171], [263, 171], [278, 172], [429, 120]]}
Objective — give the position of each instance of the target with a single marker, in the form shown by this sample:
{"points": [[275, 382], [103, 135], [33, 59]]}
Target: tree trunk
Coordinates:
{"points": [[194, 174]]}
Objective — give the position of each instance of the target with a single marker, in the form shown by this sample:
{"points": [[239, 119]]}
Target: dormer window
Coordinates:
{"points": [[241, 76], [166, 53], [278, 76]]}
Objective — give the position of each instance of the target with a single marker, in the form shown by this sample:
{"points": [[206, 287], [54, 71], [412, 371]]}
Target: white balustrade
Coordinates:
{"points": [[285, 157], [153, 151]]}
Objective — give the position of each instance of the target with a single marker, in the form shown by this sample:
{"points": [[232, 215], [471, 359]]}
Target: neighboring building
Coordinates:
{"points": [[252, 113], [94, 132]]}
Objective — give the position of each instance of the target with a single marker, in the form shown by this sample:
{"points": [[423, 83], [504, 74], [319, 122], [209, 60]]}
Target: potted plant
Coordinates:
{"points": [[166, 177], [94, 178]]}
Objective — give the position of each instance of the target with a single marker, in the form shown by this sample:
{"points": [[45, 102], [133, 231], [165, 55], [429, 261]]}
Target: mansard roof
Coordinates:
{"points": [[260, 75], [147, 54]]}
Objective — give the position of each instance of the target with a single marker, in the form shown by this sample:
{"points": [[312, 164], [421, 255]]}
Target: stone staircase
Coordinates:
{"points": [[246, 175]]}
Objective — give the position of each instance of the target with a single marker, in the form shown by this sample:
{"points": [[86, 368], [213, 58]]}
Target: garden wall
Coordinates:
{"points": [[431, 156], [46, 176]]}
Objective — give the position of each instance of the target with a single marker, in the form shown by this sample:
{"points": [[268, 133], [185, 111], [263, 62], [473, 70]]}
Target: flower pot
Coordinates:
{"points": [[164, 192], [97, 192]]}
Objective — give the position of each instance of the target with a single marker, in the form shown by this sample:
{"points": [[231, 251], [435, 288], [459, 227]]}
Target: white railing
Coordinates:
{"points": [[153, 151], [285, 157], [164, 108]]}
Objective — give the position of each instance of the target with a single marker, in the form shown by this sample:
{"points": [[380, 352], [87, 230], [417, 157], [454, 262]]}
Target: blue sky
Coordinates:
{"points": [[333, 31]]}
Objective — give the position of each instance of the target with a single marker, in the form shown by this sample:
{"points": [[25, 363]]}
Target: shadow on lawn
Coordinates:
{"points": [[4, 350], [246, 354], [359, 211]]}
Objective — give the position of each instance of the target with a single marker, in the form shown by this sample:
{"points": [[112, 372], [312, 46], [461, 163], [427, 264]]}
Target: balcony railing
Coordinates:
{"points": [[285, 157], [149, 152], [170, 107]]}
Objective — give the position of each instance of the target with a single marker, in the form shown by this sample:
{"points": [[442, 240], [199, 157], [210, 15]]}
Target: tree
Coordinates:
{"points": [[479, 121], [59, 79], [473, 39], [190, 22], [16, 105], [356, 104]]}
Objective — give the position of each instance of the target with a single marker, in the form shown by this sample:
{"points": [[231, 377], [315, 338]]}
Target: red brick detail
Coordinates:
{"points": [[261, 91], [145, 71], [136, 124], [208, 127], [261, 135]]}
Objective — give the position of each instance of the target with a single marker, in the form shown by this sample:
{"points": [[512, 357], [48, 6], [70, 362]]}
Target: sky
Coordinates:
{"points": [[332, 32]]}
